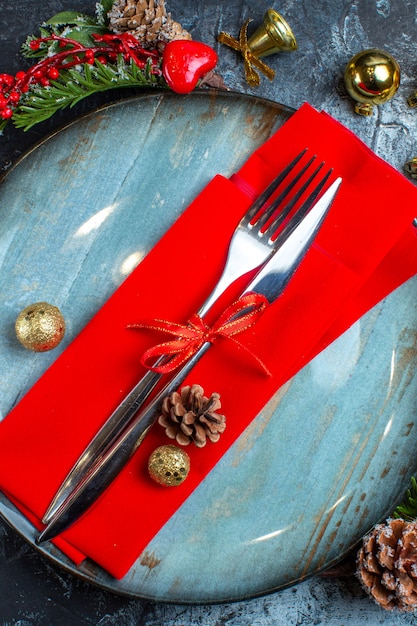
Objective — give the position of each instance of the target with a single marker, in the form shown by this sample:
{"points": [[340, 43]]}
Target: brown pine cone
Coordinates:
{"points": [[191, 416], [387, 564], [147, 20]]}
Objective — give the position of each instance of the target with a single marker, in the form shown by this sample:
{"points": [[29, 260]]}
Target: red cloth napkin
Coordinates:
{"points": [[365, 249]]}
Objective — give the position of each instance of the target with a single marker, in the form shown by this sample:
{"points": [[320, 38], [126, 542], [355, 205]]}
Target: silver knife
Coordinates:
{"points": [[270, 282], [138, 395]]}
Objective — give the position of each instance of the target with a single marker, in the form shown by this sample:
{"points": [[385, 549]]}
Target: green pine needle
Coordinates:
{"points": [[408, 509], [73, 85]]}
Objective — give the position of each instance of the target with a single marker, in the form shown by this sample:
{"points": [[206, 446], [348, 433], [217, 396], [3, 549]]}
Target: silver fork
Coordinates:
{"points": [[261, 231]]}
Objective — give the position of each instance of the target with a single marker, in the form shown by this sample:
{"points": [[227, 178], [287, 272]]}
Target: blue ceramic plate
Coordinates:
{"points": [[330, 452]]}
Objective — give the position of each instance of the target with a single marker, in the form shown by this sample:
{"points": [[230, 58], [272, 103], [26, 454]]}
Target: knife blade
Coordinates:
{"points": [[270, 281]]}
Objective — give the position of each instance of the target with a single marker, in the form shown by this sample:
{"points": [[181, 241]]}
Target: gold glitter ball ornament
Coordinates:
{"points": [[40, 327], [169, 465], [371, 77]]}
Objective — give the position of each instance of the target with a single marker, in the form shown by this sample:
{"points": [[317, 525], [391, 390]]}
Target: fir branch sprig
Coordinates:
{"points": [[75, 84], [407, 510], [69, 70]]}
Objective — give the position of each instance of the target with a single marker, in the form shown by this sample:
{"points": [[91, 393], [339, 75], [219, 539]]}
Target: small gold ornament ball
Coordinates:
{"points": [[371, 77], [169, 465], [40, 327]]}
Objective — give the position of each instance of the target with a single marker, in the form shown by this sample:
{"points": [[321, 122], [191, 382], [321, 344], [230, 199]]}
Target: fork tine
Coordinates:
{"points": [[272, 208], [286, 210], [267, 193], [301, 211]]}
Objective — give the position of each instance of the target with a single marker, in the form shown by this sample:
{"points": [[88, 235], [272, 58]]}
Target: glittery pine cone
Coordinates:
{"points": [[147, 20], [387, 565], [191, 416]]}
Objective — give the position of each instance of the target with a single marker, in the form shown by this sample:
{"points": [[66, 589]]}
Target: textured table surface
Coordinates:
{"points": [[329, 33]]}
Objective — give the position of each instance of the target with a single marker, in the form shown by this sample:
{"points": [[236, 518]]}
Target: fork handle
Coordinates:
{"points": [[112, 427], [104, 468], [115, 424]]}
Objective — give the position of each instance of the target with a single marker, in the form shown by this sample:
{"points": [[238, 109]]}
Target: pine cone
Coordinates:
{"points": [[191, 416], [387, 564], [147, 20]]}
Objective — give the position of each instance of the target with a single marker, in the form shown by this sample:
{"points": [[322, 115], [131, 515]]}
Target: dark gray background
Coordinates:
{"points": [[329, 33]]}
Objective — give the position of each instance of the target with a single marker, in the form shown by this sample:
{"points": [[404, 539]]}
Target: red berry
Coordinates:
{"points": [[20, 75], [35, 44], [53, 73], [14, 97], [44, 81], [3, 102], [38, 74], [6, 113], [102, 59], [6, 79]]}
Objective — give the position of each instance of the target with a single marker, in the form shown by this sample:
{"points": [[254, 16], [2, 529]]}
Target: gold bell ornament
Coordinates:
{"points": [[40, 327], [371, 77], [272, 36]]}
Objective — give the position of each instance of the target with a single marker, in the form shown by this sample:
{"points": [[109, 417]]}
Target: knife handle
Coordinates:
{"points": [[109, 464]]}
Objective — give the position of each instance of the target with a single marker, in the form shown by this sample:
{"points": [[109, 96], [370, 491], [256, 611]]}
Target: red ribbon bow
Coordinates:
{"points": [[191, 336]]}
